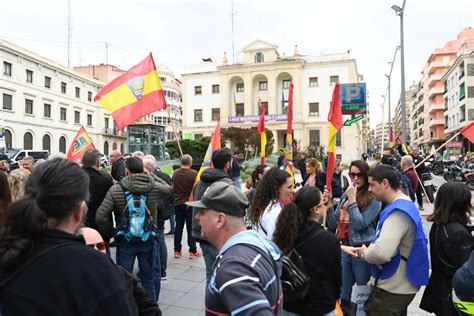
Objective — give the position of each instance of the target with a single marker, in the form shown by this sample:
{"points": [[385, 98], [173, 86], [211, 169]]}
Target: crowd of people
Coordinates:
{"points": [[272, 250]]}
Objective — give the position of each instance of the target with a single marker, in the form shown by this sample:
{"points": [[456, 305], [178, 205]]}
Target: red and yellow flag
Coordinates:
{"points": [[134, 94], [335, 124], [392, 142], [288, 162], [214, 145], [261, 130], [79, 145]]}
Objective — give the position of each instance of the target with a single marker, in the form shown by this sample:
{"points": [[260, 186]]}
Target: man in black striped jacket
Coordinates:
{"points": [[247, 270]]}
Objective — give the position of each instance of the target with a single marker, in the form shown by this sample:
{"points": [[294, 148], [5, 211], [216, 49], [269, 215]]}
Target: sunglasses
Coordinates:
{"points": [[358, 175], [99, 246]]}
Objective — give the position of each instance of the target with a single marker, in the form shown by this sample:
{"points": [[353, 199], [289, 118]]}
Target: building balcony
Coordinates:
{"points": [[435, 122], [113, 132], [434, 79], [435, 90], [435, 107], [434, 65]]}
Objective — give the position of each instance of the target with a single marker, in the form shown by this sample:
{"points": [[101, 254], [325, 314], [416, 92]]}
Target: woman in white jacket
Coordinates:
{"points": [[273, 190]]}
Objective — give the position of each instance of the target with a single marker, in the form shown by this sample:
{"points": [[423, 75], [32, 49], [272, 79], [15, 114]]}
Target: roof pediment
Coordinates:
{"points": [[259, 45]]}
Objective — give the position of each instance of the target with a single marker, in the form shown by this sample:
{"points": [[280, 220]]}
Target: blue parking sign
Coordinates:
{"points": [[353, 98]]}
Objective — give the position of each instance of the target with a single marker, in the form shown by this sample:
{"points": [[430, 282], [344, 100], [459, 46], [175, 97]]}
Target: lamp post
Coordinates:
{"points": [[389, 76], [400, 11]]}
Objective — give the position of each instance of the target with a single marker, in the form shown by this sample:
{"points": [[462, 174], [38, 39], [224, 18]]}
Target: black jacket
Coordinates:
{"points": [[71, 280], [118, 169], [463, 280], [208, 177], [321, 183], [99, 183], [322, 259], [451, 243], [165, 203]]}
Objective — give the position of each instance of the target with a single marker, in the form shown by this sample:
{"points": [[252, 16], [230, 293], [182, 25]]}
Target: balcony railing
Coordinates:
{"points": [[114, 132]]}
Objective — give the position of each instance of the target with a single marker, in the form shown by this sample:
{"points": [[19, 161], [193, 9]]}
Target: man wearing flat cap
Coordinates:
{"points": [[246, 274]]}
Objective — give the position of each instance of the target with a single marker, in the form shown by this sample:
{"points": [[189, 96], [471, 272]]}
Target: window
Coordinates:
{"points": [[314, 109], [78, 92], [29, 76], [197, 136], [27, 141], [47, 143], [122, 148], [197, 115], [313, 81], [215, 88], [333, 80], [265, 105], [263, 85], [77, 117], [62, 114], [197, 90], [106, 148], [314, 138], [339, 139], [239, 109], [106, 122], [47, 110], [259, 58], [7, 69], [7, 101], [114, 146], [63, 87], [89, 119], [28, 106], [47, 82], [8, 139], [240, 87], [286, 84], [89, 96], [62, 144], [215, 114]]}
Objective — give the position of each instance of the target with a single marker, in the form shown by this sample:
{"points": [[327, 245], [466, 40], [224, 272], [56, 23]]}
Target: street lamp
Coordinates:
{"points": [[400, 11]]}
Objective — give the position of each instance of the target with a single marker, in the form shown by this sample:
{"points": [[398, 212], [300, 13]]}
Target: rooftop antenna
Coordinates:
{"points": [[69, 33]]}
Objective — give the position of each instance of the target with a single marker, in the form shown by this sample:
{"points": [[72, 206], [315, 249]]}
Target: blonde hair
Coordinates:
{"points": [[16, 181], [313, 162]]}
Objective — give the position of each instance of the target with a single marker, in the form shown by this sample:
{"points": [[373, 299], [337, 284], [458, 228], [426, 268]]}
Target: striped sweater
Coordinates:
{"points": [[246, 278]]}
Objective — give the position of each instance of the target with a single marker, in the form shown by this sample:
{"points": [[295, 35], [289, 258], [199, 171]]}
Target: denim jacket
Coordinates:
{"points": [[361, 227]]}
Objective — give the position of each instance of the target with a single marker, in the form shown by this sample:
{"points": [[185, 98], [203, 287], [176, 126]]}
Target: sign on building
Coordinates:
{"points": [[353, 98]]}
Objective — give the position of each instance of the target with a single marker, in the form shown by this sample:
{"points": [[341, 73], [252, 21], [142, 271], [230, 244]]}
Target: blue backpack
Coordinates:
{"points": [[136, 221]]}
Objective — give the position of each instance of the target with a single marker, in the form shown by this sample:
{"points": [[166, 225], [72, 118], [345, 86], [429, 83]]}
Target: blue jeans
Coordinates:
{"points": [[160, 236], [209, 252], [172, 220], [184, 214], [353, 270], [157, 268], [286, 313], [238, 183], [145, 252]]}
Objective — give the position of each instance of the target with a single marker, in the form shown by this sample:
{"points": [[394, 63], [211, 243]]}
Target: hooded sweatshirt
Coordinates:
{"points": [[114, 200], [246, 278], [208, 177]]}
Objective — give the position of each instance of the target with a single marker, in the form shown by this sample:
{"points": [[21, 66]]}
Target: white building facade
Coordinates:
{"points": [[231, 91], [44, 104]]}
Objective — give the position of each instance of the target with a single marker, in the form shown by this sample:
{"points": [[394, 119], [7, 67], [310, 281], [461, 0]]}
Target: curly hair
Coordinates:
{"points": [[260, 169], [364, 196], [17, 179], [294, 216], [5, 197], [268, 190]]}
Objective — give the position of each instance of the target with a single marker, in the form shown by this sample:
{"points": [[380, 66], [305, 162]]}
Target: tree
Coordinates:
{"points": [[248, 139], [196, 148]]}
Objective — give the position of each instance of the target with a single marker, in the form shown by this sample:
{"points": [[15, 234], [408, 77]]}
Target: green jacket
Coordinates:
{"points": [[115, 202]]}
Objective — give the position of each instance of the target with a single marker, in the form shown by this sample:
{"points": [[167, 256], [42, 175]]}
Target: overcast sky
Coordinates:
{"points": [[180, 32]]}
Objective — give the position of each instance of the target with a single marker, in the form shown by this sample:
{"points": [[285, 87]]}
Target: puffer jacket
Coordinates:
{"points": [[115, 202]]}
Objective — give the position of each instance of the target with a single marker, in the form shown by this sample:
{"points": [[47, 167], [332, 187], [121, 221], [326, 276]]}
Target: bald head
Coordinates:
{"points": [[115, 155], [92, 237], [149, 164]]}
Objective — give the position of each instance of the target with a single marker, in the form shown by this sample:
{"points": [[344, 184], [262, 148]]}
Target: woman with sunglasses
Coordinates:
{"points": [[354, 221], [275, 186], [298, 224]]}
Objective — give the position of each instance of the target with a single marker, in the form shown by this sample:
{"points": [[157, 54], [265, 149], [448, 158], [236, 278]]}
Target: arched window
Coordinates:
{"points": [[106, 148], [122, 148], [259, 58], [47, 143], [62, 144], [114, 146], [28, 141], [8, 139]]}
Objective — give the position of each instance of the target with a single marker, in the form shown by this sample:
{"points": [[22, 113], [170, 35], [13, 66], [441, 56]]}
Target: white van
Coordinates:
{"points": [[16, 154]]}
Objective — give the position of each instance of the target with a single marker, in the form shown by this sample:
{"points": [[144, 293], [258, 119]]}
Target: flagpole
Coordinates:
{"points": [[438, 149], [174, 130]]}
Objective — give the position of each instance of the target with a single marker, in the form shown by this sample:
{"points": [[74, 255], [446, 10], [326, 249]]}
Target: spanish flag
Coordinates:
{"points": [[134, 94], [335, 124], [261, 130], [214, 145], [79, 145], [400, 143], [288, 162]]}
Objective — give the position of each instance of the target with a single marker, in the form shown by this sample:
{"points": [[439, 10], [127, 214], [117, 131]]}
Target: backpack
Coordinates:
{"points": [[295, 279], [136, 221]]}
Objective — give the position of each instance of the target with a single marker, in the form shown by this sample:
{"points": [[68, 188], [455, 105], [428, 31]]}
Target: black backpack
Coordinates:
{"points": [[294, 277]]}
